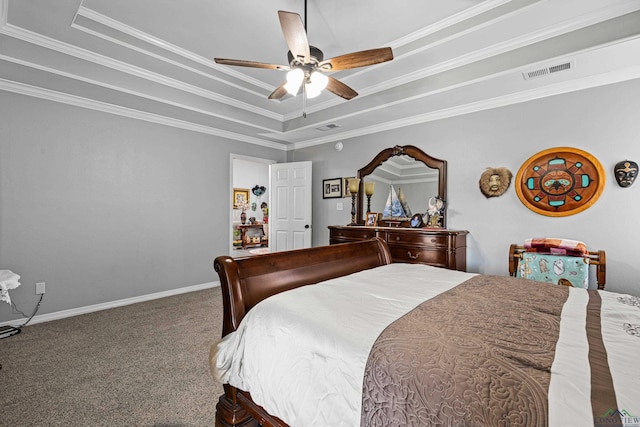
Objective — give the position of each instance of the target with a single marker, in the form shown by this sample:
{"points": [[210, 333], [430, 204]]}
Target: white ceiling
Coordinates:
{"points": [[153, 59]]}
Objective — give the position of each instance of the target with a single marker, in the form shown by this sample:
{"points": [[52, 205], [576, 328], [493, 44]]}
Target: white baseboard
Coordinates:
{"points": [[111, 304]]}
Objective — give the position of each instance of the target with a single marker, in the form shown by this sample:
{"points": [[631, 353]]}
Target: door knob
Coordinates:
{"points": [[307, 226]]}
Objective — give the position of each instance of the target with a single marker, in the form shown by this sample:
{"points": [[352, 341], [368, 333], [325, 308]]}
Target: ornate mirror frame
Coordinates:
{"points": [[411, 151]]}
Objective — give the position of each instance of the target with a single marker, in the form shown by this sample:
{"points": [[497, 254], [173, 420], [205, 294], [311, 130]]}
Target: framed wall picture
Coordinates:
{"points": [[372, 219], [240, 197], [560, 181], [345, 186], [331, 188]]}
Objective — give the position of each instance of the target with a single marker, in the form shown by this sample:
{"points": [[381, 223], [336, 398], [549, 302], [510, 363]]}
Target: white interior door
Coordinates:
{"points": [[290, 206]]}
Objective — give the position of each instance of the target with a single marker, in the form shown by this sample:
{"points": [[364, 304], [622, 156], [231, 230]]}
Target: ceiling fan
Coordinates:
{"points": [[307, 66]]}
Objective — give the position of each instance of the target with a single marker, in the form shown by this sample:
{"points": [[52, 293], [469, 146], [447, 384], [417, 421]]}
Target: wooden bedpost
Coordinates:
{"points": [[229, 413]]}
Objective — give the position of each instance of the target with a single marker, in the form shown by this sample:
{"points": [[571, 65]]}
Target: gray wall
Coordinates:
{"points": [[602, 121], [102, 207]]}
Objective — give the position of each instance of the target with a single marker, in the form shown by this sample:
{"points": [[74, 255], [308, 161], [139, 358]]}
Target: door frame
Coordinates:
{"points": [[232, 157]]}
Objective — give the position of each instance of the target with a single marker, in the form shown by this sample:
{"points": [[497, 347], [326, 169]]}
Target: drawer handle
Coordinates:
{"points": [[433, 240], [412, 256]]}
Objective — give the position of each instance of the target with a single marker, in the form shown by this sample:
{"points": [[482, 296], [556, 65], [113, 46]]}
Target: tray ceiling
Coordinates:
{"points": [[153, 59]]}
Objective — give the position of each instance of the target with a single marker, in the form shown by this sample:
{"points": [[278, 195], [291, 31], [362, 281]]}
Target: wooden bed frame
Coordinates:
{"points": [[247, 281], [597, 258]]}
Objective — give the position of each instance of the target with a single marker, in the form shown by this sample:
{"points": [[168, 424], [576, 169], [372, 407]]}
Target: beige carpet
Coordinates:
{"points": [[141, 365]]}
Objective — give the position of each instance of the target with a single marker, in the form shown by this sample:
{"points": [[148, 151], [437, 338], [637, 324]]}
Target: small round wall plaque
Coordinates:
{"points": [[560, 181]]}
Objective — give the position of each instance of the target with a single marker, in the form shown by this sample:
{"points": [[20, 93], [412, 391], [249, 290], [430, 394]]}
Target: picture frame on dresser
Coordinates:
{"points": [[332, 188], [372, 219]]}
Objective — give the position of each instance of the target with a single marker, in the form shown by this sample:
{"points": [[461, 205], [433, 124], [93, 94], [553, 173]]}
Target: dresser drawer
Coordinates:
{"points": [[442, 248], [417, 239], [416, 254], [348, 234]]}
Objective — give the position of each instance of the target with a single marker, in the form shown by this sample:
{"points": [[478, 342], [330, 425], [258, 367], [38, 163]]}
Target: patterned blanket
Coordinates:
{"points": [[550, 245]]}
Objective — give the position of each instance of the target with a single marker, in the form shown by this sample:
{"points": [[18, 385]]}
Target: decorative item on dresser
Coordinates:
{"points": [[354, 187], [368, 191]]}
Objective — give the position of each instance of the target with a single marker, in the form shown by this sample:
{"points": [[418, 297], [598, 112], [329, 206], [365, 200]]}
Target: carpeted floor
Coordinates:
{"points": [[144, 364]]}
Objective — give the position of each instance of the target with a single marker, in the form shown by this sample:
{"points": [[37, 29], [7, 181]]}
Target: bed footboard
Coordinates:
{"points": [[247, 281]]}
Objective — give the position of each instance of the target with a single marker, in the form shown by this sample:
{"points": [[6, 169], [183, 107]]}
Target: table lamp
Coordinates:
{"points": [[354, 187], [368, 191]]}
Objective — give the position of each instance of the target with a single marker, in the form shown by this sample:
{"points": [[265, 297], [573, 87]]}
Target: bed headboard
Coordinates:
{"points": [[247, 281]]}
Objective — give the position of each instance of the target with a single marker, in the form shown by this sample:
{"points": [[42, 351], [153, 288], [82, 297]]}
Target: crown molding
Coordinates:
{"points": [[77, 101], [474, 107], [148, 39], [80, 53], [134, 93], [468, 13]]}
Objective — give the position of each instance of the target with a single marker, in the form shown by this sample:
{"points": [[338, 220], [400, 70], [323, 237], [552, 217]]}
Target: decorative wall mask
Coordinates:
{"points": [[626, 172], [495, 181], [560, 181], [258, 190]]}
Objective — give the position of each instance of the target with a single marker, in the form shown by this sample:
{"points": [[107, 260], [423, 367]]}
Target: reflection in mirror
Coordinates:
{"points": [[404, 178], [402, 187]]}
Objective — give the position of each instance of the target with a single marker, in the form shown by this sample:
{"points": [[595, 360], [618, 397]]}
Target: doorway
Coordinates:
{"points": [[249, 223]]}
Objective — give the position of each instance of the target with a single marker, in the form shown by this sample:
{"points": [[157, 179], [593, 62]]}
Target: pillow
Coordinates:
{"points": [[557, 269]]}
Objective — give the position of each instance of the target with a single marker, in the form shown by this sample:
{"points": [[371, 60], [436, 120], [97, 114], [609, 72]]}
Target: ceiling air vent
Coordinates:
{"points": [[548, 70], [328, 127]]}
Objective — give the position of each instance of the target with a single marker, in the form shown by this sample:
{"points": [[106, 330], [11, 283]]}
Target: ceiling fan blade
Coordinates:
{"points": [[295, 35], [252, 64], [357, 59], [279, 92], [337, 87]]}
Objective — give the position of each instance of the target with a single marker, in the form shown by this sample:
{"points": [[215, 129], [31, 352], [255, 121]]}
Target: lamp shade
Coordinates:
{"points": [[354, 185], [368, 188]]}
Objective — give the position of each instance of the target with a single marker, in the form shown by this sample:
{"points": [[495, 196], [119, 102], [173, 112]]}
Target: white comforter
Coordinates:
{"points": [[328, 330]]}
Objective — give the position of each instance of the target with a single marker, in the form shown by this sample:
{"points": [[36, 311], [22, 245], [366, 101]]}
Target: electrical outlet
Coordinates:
{"points": [[40, 288]]}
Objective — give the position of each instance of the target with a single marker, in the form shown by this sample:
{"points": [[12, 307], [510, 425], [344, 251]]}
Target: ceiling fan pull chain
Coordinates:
{"points": [[304, 102]]}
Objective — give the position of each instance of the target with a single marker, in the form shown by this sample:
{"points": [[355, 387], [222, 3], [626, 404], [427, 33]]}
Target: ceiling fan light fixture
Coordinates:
{"points": [[305, 60], [318, 80], [316, 83], [294, 80], [311, 91]]}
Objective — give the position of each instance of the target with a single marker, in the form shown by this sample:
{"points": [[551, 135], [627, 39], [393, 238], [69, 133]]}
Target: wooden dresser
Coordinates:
{"points": [[438, 247]]}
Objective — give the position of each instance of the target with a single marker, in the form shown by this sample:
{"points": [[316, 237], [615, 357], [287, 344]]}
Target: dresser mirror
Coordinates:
{"points": [[404, 179]]}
